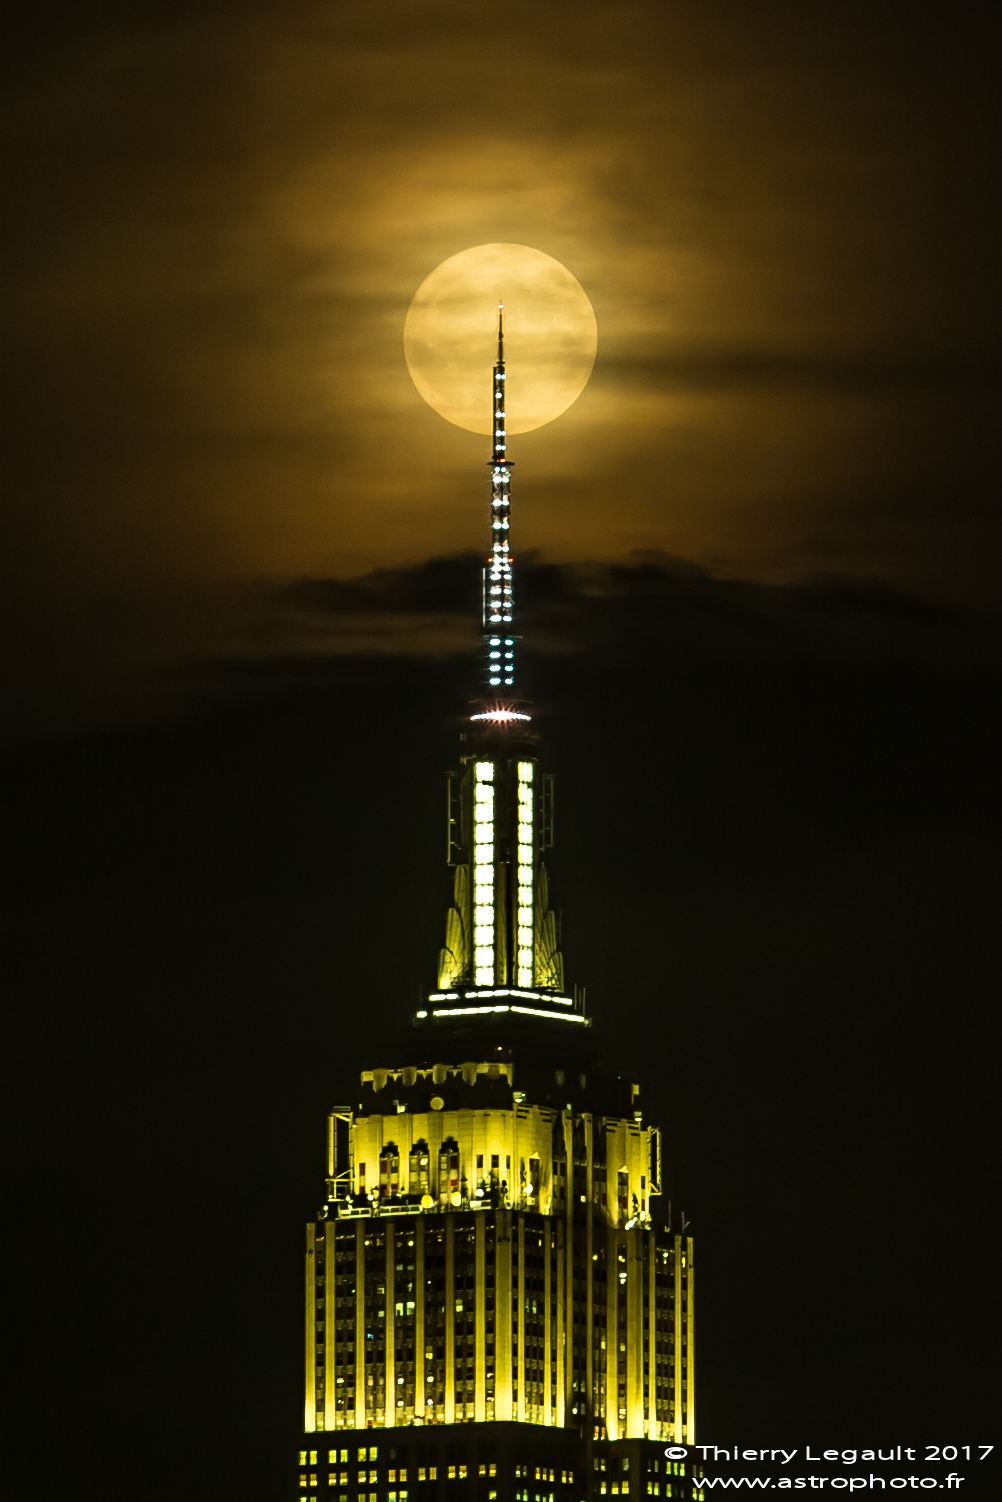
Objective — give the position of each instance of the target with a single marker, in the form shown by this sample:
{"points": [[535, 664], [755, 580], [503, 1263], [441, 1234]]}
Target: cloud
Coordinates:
{"points": [[219, 215], [641, 607]]}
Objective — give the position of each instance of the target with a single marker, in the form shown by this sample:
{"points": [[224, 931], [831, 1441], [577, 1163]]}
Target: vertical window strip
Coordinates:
{"points": [[525, 905], [483, 873]]}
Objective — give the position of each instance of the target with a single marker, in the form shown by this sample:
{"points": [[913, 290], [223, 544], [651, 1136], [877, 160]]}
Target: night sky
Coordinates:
{"points": [[760, 586]]}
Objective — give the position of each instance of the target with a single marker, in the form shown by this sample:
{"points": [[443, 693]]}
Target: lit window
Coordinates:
{"points": [[483, 872], [452, 1473], [525, 913]]}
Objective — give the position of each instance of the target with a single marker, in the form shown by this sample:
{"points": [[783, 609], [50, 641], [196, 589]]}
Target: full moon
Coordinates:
{"points": [[450, 337]]}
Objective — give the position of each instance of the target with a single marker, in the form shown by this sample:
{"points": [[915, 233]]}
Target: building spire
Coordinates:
{"points": [[500, 930], [498, 597]]}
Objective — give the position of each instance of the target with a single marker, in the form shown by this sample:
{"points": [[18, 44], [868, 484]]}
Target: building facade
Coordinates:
{"points": [[497, 1307]]}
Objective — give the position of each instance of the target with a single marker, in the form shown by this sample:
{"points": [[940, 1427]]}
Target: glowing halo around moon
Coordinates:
{"points": [[450, 336]]}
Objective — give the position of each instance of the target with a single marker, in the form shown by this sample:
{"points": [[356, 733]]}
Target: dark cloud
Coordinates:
{"points": [[720, 370], [603, 611]]}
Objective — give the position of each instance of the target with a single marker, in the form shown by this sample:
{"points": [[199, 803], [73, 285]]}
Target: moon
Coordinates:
{"points": [[450, 337]]}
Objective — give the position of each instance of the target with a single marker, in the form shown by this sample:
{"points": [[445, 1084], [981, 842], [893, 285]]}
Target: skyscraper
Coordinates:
{"points": [[497, 1309]]}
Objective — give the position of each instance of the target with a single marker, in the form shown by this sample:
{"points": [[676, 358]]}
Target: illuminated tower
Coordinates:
{"points": [[495, 1309]]}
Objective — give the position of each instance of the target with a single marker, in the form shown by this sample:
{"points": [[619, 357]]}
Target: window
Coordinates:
{"points": [[483, 874], [452, 1473], [389, 1171], [421, 1474], [372, 1455], [448, 1166], [302, 1457], [462, 1473]]}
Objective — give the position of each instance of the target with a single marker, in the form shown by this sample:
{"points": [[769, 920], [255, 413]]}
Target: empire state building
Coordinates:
{"points": [[497, 1307]]}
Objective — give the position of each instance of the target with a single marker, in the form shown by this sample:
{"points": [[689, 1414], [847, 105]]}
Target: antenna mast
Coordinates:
{"points": [[498, 597]]}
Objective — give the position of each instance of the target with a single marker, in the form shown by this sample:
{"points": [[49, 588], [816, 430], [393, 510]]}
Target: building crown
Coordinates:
{"points": [[501, 955]]}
